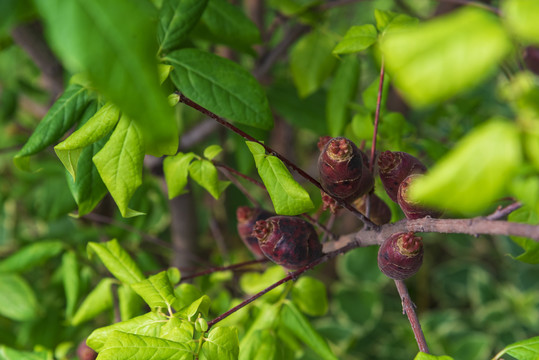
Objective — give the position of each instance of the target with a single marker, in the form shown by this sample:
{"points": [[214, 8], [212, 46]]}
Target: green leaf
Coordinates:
{"points": [[287, 196], [113, 43], [88, 189], [531, 247], [222, 343], [97, 301], [7, 353], [97, 127], [129, 302], [342, 92], [176, 19], [304, 113], [444, 56], [119, 163], [176, 169], [148, 324], [311, 62], [309, 294], [424, 356], [520, 17], [523, 350], [186, 294], [254, 282], [357, 38], [386, 20], [262, 345], [293, 7], [265, 320], [65, 112], [30, 256], [363, 124], [117, 261], [156, 291], [370, 94], [178, 330], [122, 345], [221, 86], [199, 306], [475, 172], [212, 151], [229, 25], [294, 321], [70, 277], [205, 174], [17, 299]]}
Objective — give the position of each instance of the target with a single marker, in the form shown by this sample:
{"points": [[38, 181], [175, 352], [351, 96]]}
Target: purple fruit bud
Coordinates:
{"points": [[400, 255], [380, 213], [394, 167], [412, 209], [288, 241], [247, 217]]}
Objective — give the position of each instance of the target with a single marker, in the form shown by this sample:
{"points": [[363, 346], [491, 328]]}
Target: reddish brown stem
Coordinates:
{"points": [[291, 276], [408, 308], [223, 268], [269, 150], [377, 116]]}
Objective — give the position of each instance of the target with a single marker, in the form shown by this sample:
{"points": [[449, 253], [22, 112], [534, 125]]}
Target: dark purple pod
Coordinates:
{"points": [[394, 167], [413, 210], [288, 241], [247, 217], [84, 352], [380, 213], [400, 255], [341, 168]]}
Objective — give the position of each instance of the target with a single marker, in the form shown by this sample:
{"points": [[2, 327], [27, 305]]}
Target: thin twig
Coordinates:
{"points": [[110, 221], [291, 276], [408, 308], [183, 99], [377, 116], [224, 268], [504, 211], [316, 223], [226, 172]]}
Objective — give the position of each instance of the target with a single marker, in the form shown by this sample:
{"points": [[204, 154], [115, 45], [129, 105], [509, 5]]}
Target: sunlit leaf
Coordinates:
{"points": [[475, 173], [97, 301], [287, 196], [524, 350], [117, 261], [357, 38], [122, 345], [156, 290], [205, 174], [221, 343], [119, 163], [309, 294], [176, 170], [521, 18], [444, 56]]}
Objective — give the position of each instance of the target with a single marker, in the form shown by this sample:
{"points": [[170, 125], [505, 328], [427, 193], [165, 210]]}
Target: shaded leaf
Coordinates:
{"points": [[424, 356], [220, 86], [97, 301], [30, 256], [342, 91], [311, 62], [129, 302], [119, 163], [17, 299], [389, 20], [176, 19], [287, 196], [229, 25], [7, 353], [357, 38], [65, 112], [70, 277], [294, 321]]}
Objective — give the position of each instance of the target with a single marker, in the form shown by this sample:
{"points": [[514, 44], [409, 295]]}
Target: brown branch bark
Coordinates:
{"points": [[472, 226]]}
